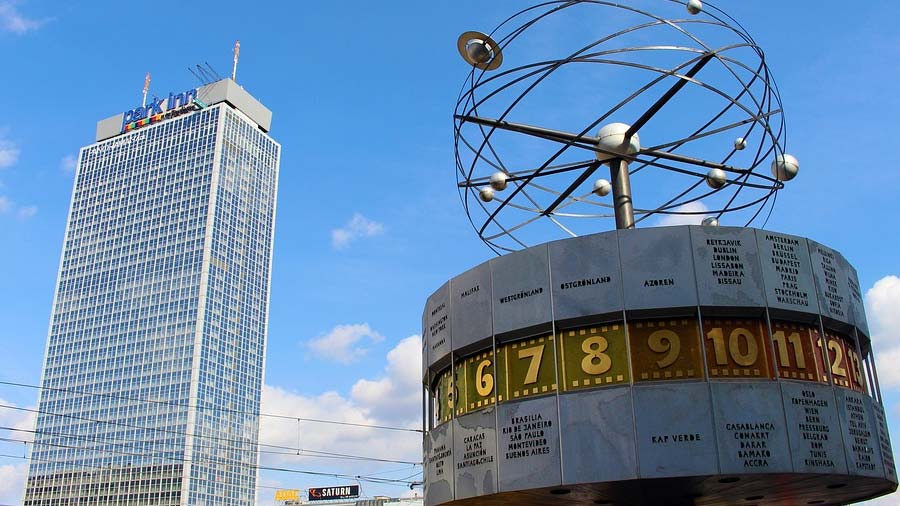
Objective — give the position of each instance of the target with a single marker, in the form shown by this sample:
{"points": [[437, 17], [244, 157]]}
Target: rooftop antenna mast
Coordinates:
{"points": [[146, 89], [202, 81], [213, 71], [208, 77], [237, 52]]}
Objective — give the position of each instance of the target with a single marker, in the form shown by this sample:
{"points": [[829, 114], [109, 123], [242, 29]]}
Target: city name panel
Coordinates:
{"points": [[712, 360]]}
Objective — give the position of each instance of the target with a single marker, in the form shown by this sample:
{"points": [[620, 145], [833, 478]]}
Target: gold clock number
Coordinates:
{"points": [[535, 353], [834, 346], [838, 358], [445, 397], [595, 356], [448, 391], [484, 381], [595, 361], [665, 341], [796, 344], [855, 368], [734, 346]]}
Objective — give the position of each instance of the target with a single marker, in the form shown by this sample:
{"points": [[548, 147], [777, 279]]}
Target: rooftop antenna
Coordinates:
{"points": [[237, 52], [146, 89], [207, 77], [213, 71], [197, 76]]}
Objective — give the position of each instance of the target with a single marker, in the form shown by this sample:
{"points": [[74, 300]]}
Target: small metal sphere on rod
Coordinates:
{"points": [[785, 167], [602, 187], [694, 6], [716, 178], [498, 181]]}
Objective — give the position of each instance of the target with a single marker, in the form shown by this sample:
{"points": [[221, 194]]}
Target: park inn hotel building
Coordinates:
{"points": [[154, 363]]}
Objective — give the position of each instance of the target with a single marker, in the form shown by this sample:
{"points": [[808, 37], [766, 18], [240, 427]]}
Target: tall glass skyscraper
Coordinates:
{"points": [[154, 361]]}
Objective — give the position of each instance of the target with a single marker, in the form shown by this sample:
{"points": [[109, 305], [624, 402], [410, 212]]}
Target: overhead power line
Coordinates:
{"points": [[107, 439], [258, 486], [160, 446], [366, 478], [204, 437]]}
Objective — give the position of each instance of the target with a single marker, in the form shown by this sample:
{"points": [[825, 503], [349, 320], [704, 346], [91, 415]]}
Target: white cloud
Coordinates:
{"points": [[13, 21], [882, 304], [67, 164], [359, 226], [17, 419], [12, 483], [21, 212], [9, 151], [669, 220], [885, 500], [393, 398], [26, 212], [12, 476], [397, 396], [886, 361], [342, 343]]}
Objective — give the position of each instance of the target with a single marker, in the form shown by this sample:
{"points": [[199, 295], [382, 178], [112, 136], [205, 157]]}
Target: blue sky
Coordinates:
{"points": [[369, 222]]}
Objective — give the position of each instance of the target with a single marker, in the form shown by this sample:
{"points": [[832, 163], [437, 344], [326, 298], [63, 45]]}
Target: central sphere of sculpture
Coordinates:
{"points": [[613, 142]]}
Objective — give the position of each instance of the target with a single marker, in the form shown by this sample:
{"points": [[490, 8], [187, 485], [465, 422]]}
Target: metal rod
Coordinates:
{"points": [[572, 187], [693, 161], [529, 129], [525, 174], [667, 96], [621, 187], [567, 137]]}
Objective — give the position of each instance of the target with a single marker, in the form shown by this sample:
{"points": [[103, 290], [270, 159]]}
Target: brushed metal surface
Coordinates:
{"points": [[657, 268], [436, 327], [750, 425], [439, 465], [860, 432], [787, 272], [521, 283], [586, 276], [814, 432], [470, 307], [528, 433], [598, 436], [675, 435], [726, 262], [475, 448], [829, 272]]}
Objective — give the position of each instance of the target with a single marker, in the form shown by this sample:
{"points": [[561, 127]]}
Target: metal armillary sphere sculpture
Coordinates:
{"points": [[677, 102]]}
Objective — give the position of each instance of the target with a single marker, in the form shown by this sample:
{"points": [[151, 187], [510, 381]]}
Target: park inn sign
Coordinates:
{"points": [[159, 109]]}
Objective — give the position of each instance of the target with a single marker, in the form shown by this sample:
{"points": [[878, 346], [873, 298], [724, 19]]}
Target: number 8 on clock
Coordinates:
{"points": [[593, 357]]}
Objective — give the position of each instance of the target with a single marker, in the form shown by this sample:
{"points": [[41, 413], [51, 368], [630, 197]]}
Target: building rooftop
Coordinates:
{"points": [[159, 110]]}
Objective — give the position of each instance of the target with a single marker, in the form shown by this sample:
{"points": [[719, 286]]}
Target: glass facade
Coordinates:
{"points": [[154, 362]]}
